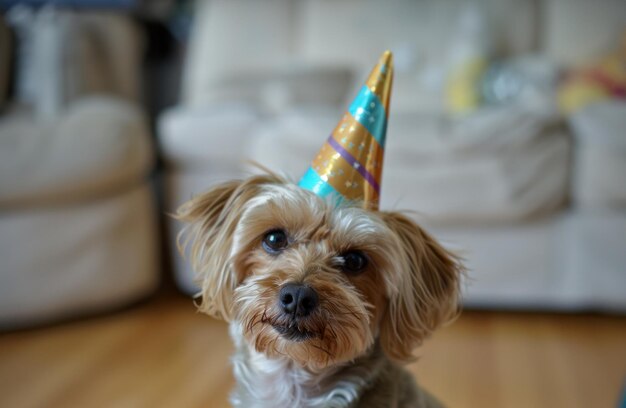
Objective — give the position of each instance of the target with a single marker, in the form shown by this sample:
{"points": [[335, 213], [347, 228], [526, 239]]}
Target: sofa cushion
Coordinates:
{"points": [[234, 36], [511, 184], [276, 91], [356, 31], [573, 261], [576, 31], [99, 144], [214, 137]]}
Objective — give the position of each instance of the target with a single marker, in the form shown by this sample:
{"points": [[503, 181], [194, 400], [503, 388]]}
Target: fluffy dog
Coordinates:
{"points": [[325, 301]]}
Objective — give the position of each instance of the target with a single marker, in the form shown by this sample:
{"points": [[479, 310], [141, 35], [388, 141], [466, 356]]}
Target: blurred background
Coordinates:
{"points": [[507, 137]]}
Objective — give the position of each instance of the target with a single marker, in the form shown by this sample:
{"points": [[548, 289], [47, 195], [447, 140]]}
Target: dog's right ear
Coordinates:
{"points": [[211, 219]]}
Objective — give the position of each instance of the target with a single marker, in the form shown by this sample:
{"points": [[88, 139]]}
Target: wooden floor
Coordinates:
{"points": [[164, 354]]}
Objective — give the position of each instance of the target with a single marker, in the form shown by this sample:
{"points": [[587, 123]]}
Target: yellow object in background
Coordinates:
{"points": [[578, 93], [605, 79], [467, 60], [462, 90]]}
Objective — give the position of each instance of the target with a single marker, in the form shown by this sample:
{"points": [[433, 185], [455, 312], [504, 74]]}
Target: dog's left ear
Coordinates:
{"points": [[427, 292]]}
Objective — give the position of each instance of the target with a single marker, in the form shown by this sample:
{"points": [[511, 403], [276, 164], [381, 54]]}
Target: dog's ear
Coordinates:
{"points": [[212, 218], [427, 292]]}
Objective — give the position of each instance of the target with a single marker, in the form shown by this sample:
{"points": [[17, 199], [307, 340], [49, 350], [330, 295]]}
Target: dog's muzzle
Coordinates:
{"points": [[297, 302]]}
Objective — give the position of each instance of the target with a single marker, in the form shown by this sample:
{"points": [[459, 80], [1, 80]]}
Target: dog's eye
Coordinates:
{"points": [[275, 241], [354, 262]]}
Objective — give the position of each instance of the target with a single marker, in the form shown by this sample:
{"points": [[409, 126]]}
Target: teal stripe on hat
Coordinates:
{"points": [[312, 181], [367, 109]]}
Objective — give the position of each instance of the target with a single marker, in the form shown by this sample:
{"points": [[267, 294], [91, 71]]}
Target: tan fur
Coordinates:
{"points": [[429, 289], [212, 219], [409, 288]]}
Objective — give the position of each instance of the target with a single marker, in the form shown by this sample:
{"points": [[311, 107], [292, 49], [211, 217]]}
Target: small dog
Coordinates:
{"points": [[324, 300]]}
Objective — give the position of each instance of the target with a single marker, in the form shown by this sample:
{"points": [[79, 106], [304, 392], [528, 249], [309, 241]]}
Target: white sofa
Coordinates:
{"points": [[495, 185], [78, 222]]}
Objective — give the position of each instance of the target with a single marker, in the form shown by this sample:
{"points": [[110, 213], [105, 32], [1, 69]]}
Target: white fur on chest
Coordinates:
{"points": [[263, 382]]}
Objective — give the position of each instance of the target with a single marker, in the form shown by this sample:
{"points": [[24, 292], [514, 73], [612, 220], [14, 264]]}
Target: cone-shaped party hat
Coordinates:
{"points": [[350, 164]]}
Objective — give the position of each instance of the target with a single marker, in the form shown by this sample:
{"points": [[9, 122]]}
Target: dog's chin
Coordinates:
{"points": [[292, 332], [312, 349]]}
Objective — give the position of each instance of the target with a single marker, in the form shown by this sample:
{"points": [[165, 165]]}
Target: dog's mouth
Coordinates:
{"points": [[294, 333]]}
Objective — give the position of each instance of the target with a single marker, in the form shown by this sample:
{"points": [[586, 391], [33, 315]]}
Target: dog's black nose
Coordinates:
{"points": [[298, 300]]}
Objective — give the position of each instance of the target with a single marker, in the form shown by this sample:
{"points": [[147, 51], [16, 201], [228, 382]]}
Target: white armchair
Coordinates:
{"points": [[78, 224]]}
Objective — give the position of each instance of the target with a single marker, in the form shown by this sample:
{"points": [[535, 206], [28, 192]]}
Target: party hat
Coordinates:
{"points": [[350, 163]]}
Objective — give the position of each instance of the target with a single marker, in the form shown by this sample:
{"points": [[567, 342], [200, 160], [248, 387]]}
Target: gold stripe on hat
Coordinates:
{"points": [[357, 140], [380, 79], [342, 176]]}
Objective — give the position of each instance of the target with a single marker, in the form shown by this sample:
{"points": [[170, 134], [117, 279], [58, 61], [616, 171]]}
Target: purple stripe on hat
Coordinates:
{"points": [[350, 159]]}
